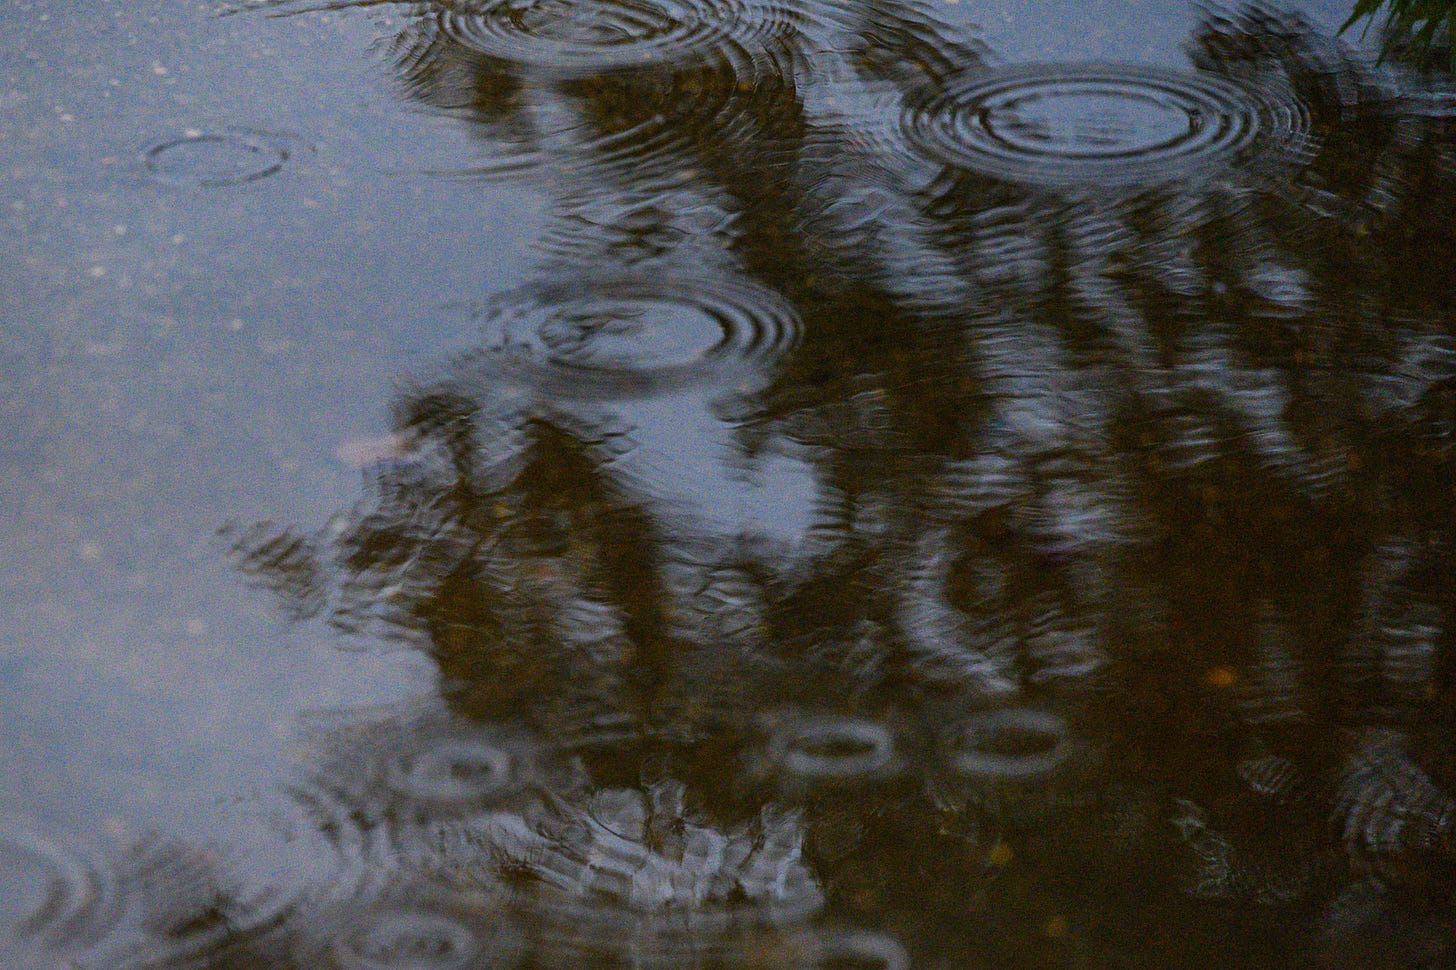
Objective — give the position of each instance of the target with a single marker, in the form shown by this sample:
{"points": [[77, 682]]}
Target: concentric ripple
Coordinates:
{"points": [[376, 791], [581, 38], [859, 950], [1010, 743], [455, 772], [824, 748], [410, 939], [197, 909], [52, 894], [409, 925], [216, 159], [629, 87], [625, 336], [1101, 124]]}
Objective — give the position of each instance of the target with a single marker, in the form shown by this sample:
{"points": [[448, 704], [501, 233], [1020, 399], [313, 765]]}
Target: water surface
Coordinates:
{"points": [[724, 483]]}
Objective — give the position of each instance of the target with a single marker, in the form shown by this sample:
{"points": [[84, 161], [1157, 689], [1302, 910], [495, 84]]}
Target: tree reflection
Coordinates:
{"points": [[1122, 631]]}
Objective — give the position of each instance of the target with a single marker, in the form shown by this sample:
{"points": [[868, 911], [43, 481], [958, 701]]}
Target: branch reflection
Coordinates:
{"points": [[1121, 634]]}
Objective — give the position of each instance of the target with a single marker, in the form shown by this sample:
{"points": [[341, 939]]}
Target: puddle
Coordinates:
{"points": [[736, 485]]}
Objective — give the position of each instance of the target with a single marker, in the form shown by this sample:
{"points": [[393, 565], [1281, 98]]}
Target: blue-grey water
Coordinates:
{"points": [[724, 483]]}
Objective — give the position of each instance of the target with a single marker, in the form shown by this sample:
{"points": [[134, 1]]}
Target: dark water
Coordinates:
{"points": [[724, 483]]}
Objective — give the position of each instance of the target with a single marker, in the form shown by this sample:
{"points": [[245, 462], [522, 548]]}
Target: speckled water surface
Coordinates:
{"points": [[659, 484]]}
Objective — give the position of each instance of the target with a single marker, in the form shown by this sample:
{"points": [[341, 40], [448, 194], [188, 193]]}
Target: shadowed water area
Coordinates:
{"points": [[755, 484]]}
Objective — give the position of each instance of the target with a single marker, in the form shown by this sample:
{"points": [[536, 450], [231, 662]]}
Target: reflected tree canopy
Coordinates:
{"points": [[1121, 634], [1416, 29]]}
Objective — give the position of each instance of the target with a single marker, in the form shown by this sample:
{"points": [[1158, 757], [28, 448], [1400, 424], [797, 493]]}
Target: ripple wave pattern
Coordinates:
{"points": [[1101, 124], [582, 38], [53, 895], [628, 336]]}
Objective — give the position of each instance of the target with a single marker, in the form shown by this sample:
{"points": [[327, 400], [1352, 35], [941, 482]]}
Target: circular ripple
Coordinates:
{"points": [[379, 791], [626, 336], [632, 87], [410, 939], [1011, 743], [579, 38], [406, 924], [1099, 124], [833, 748], [858, 950], [455, 772], [215, 159], [52, 893], [199, 910]]}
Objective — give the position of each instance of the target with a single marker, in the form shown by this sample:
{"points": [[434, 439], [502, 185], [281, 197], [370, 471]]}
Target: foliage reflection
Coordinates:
{"points": [[1122, 632]]}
